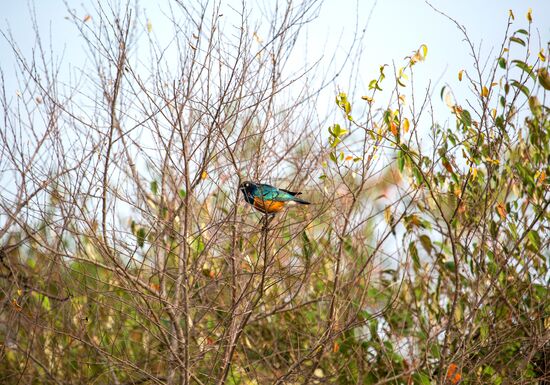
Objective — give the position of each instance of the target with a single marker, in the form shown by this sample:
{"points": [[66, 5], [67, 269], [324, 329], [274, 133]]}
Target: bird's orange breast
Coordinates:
{"points": [[267, 206]]}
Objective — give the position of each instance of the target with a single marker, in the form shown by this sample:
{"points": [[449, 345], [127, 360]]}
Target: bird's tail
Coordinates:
{"points": [[294, 193], [290, 192]]}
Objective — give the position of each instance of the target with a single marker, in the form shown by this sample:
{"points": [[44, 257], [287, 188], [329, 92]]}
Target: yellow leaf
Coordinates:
{"points": [[460, 73], [349, 157], [485, 92], [388, 215], [494, 113], [15, 305], [335, 347], [530, 15], [406, 125], [87, 18], [474, 172], [204, 175], [501, 209], [424, 48], [541, 55], [511, 14], [367, 98], [544, 78], [149, 26], [402, 98]]}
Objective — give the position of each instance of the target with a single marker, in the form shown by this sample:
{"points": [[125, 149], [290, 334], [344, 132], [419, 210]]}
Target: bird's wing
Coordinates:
{"points": [[271, 193]]}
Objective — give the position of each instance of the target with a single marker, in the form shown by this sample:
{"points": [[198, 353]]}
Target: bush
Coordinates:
{"points": [[128, 256]]}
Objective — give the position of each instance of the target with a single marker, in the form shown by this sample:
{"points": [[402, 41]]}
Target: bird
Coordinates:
{"points": [[268, 199]]}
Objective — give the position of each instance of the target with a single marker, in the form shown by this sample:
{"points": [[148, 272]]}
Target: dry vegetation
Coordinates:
{"points": [[128, 257]]}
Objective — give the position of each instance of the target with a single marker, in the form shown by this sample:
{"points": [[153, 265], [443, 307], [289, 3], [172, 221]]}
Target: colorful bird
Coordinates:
{"points": [[268, 199]]}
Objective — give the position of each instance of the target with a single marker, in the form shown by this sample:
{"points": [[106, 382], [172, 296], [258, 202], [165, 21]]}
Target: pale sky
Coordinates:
{"points": [[396, 28]]}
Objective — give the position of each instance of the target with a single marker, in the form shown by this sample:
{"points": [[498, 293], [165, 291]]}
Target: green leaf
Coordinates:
{"points": [[520, 86], [426, 243], [421, 378], [483, 331], [307, 249], [466, 118], [373, 84], [534, 238], [489, 370], [499, 121], [517, 40], [140, 237], [414, 255], [43, 300], [343, 103], [198, 245], [333, 141], [442, 92], [154, 187], [525, 67], [522, 31], [336, 130], [417, 175], [182, 193], [450, 266], [400, 160], [502, 62]]}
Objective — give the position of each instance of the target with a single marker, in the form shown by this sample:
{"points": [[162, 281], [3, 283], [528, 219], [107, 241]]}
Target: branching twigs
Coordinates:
{"points": [[129, 256]]}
